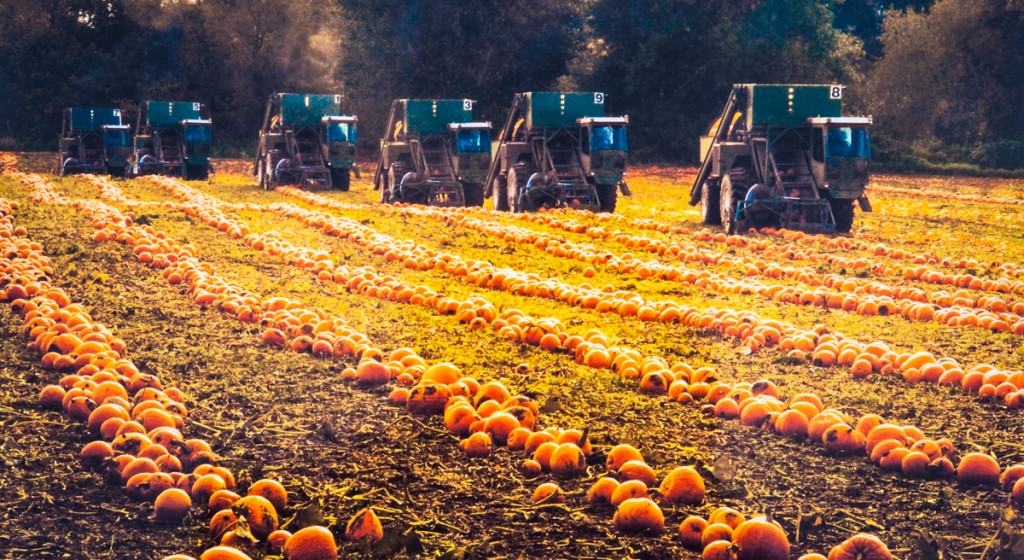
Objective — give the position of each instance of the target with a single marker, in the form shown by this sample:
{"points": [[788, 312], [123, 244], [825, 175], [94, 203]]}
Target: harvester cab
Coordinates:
{"points": [[783, 156], [559, 149], [433, 153], [94, 141], [306, 141], [173, 139]]}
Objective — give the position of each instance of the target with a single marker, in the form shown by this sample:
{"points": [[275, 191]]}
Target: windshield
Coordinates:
{"points": [[341, 132], [603, 138], [115, 137], [197, 134], [848, 142], [474, 141]]}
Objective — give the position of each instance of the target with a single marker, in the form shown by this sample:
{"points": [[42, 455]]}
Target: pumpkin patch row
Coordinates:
{"points": [[497, 413], [138, 421], [755, 333], [824, 290], [937, 194], [141, 445], [594, 351]]}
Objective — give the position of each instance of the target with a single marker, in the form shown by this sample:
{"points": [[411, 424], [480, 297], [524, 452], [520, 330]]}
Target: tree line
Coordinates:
{"points": [[941, 77]]}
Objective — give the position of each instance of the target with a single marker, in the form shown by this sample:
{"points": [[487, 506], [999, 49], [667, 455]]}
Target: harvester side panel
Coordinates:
{"points": [[307, 109], [83, 119], [432, 116], [560, 110], [785, 105], [171, 113]]}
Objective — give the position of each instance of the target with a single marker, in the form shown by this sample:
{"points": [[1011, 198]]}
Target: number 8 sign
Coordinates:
{"points": [[835, 92]]}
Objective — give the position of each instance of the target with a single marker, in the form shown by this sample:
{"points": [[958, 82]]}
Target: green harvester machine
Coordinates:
{"points": [[783, 156], [559, 149], [173, 139], [94, 141], [305, 140], [433, 153]]}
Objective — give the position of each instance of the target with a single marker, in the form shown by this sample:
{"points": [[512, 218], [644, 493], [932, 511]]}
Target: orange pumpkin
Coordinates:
{"points": [[311, 543], [620, 454], [260, 514], [628, 490], [568, 461], [600, 494], [792, 424], [639, 515], [548, 493], [978, 468], [760, 539], [683, 485], [272, 490], [861, 547], [638, 470], [172, 505], [224, 553], [428, 398], [690, 531], [364, 525]]}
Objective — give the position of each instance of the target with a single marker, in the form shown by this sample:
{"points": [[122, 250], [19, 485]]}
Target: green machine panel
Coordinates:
{"points": [[169, 113], [307, 109], [432, 116], [94, 119], [789, 105], [560, 110]]}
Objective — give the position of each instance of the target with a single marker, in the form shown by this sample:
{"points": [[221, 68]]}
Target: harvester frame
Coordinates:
{"points": [[93, 141], [433, 153], [559, 149], [173, 138], [305, 141], [776, 157]]}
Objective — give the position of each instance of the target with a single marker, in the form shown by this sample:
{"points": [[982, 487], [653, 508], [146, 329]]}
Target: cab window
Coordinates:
{"points": [[341, 132], [603, 138], [474, 141], [846, 142]]}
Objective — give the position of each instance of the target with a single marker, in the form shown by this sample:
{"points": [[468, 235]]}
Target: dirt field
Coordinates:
{"points": [[338, 446]]}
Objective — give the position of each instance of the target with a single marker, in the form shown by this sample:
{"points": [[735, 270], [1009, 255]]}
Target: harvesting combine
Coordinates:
{"points": [[559, 149], [173, 139], [783, 156], [305, 141], [94, 141], [433, 153]]}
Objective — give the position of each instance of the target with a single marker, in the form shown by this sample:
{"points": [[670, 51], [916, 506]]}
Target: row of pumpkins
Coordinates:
{"points": [[762, 254], [138, 421], [823, 349]]}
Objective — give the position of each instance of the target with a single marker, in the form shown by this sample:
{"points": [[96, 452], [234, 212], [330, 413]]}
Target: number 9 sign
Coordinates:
{"points": [[598, 98]]}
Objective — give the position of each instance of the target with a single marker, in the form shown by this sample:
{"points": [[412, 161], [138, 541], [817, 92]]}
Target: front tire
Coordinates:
{"points": [[341, 179], [608, 196], [395, 174], [500, 194], [733, 188], [473, 194], [709, 212], [842, 211]]}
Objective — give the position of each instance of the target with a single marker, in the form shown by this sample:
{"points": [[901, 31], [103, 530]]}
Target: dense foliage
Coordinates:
{"points": [[935, 74]]}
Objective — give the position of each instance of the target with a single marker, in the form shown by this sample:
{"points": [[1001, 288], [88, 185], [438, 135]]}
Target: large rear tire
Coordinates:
{"points": [[473, 193], [842, 211], [395, 174], [608, 196], [340, 179], [499, 194], [733, 188], [116, 172], [514, 189], [709, 213]]}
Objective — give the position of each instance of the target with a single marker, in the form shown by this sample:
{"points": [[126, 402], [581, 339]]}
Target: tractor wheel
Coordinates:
{"points": [[262, 177], [385, 189], [709, 214], [842, 211], [340, 179], [607, 195], [733, 188], [196, 172], [499, 194], [514, 189], [116, 172], [395, 174], [474, 194]]}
